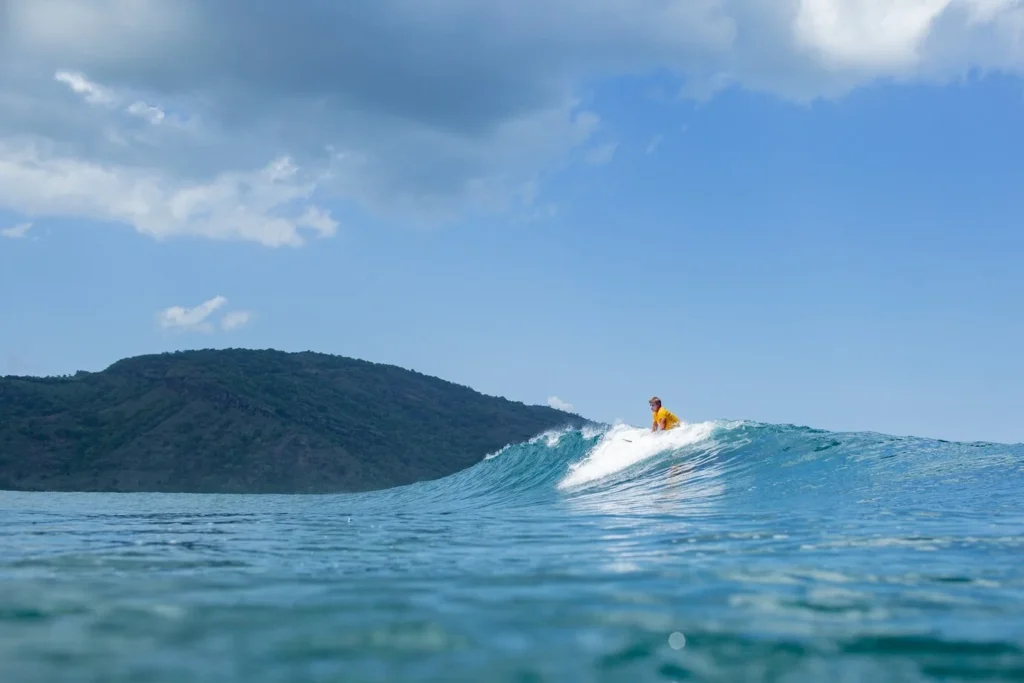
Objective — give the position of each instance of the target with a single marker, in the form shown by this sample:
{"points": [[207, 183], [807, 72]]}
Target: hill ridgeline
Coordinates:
{"points": [[242, 421]]}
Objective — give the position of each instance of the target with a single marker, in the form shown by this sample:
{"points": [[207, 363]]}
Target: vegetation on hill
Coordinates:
{"points": [[242, 421]]}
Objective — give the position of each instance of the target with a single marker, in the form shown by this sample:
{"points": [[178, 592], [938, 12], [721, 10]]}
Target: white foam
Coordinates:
{"points": [[623, 446], [498, 452], [552, 437]]}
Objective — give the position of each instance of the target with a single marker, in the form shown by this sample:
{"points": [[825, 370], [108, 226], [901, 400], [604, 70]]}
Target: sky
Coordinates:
{"points": [[791, 211]]}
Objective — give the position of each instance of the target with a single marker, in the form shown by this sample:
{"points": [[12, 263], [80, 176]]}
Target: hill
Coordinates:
{"points": [[242, 421]]}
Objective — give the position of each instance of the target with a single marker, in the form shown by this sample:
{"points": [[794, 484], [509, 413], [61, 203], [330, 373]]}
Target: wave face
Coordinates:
{"points": [[720, 551]]}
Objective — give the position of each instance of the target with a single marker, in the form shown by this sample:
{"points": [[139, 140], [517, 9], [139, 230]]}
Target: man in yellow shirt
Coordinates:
{"points": [[663, 418]]}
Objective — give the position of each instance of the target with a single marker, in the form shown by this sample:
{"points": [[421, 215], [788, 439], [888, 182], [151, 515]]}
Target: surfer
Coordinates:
{"points": [[663, 418]]}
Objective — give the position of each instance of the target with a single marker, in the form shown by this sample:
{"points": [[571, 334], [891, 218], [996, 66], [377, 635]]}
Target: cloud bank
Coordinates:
{"points": [[256, 119]]}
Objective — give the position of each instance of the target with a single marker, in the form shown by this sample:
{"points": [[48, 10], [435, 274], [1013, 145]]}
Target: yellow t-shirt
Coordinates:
{"points": [[671, 421]]}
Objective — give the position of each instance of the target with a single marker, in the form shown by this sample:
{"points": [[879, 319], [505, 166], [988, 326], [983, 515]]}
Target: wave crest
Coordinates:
{"points": [[624, 446]]}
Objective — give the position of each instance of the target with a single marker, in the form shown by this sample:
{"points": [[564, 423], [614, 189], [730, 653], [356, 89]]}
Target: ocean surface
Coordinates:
{"points": [[716, 552]]}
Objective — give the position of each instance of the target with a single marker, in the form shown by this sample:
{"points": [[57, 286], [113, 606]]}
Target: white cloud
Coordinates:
{"points": [[381, 106], [602, 154], [93, 93], [146, 111], [96, 94], [268, 205], [559, 404], [876, 35], [198, 318], [653, 145], [191, 319], [235, 319], [16, 232]]}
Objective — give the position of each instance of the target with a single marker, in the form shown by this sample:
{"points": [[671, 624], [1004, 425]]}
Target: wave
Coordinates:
{"points": [[724, 466], [623, 446]]}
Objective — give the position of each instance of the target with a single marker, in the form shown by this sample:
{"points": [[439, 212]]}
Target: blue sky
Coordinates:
{"points": [[746, 208]]}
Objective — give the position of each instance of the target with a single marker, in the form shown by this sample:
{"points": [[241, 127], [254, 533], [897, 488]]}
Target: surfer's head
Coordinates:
{"points": [[655, 403]]}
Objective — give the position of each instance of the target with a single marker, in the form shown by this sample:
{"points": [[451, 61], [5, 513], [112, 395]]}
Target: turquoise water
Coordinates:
{"points": [[717, 552]]}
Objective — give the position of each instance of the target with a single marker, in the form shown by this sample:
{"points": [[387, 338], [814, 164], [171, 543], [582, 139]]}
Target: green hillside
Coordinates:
{"points": [[246, 421]]}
